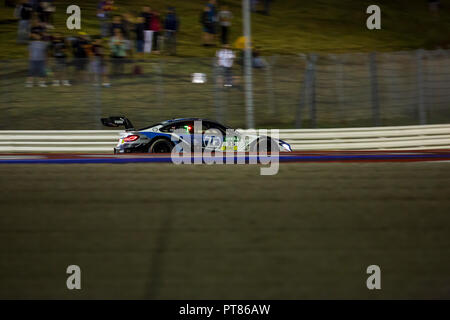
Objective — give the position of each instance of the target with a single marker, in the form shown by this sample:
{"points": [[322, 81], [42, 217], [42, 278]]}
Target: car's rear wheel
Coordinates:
{"points": [[160, 146]]}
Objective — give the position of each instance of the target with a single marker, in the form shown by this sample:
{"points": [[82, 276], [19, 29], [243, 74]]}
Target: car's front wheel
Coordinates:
{"points": [[160, 146]]}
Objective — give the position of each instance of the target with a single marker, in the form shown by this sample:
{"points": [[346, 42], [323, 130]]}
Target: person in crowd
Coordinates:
{"points": [[117, 23], [147, 15], [45, 11], [212, 5], [239, 44], [266, 10], [127, 21], [171, 26], [24, 12], [434, 6], [81, 48], [225, 17], [37, 27], [257, 61], [253, 5], [59, 53], [225, 59], [139, 29], [208, 26], [128, 24], [104, 10], [98, 64], [155, 26], [118, 47], [37, 56]]}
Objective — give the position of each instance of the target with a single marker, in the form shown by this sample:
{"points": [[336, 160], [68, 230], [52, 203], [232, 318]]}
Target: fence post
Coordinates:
{"points": [[269, 87], [98, 101], [303, 95], [309, 93], [339, 66], [3, 100], [374, 86], [313, 111], [218, 97], [160, 85], [421, 109]]}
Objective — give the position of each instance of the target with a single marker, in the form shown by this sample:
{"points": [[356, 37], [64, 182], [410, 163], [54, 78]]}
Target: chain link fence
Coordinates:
{"points": [[302, 91]]}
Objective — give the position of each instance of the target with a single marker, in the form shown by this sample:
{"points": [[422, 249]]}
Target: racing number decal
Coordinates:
{"points": [[230, 143], [212, 142]]}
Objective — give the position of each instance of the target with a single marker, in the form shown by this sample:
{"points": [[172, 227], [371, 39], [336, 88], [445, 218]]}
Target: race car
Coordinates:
{"points": [[202, 134]]}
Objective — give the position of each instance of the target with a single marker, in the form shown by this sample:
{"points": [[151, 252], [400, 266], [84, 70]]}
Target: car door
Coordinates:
{"points": [[182, 131], [218, 138]]}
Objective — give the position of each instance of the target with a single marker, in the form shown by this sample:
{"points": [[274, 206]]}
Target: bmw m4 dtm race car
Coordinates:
{"points": [[194, 133]]}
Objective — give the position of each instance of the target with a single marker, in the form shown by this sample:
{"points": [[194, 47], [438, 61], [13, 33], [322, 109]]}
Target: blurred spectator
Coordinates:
{"points": [[266, 10], [240, 45], [38, 57], [225, 57], [34, 4], [434, 6], [171, 25], [59, 53], [127, 23], [24, 12], [81, 47], [117, 23], [258, 61], [225, 17], [118, 52], [207, 24], [139, 29], [45, 11], [99, 64], [155, 26], [253, 5], [37, 27], [212, 4], [104, 10], [147, 15]]}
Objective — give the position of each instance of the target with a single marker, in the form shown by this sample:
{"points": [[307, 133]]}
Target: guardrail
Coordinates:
{"points": [[374, 138]]}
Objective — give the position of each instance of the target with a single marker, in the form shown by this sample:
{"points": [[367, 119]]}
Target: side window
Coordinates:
{"points": [[188, 126], [214, 126]]}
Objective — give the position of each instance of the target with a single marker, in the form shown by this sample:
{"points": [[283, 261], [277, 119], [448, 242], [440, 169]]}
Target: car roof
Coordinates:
{"points": [[177, 120]]}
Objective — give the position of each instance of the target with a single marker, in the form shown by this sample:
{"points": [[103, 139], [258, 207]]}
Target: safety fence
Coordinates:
{"points": [[395, 138], [301, 91]]}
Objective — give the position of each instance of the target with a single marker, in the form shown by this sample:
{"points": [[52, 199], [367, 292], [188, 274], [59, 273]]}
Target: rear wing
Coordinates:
{"points": [[117, 122]]}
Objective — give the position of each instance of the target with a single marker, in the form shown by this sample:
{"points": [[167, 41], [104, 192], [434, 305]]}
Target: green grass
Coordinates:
{"points": [[222, 232], [320, 26], [292, 27]]}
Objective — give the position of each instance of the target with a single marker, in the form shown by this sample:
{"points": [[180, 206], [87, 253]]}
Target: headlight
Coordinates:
{"points": [[286, 146]]}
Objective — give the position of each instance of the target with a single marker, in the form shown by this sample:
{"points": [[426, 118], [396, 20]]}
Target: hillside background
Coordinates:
{"points": [[294, 26]]}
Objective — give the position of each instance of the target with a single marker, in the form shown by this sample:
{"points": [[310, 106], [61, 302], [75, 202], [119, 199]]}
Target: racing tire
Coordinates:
{"points": [[160, 146]]}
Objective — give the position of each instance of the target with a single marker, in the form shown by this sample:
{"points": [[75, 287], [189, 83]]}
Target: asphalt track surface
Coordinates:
{"points": [[166, 231], [241, 158]]}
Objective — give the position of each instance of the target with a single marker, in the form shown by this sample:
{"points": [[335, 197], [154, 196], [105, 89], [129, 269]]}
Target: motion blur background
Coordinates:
{"points": [[161, 231], [321, 67]]}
